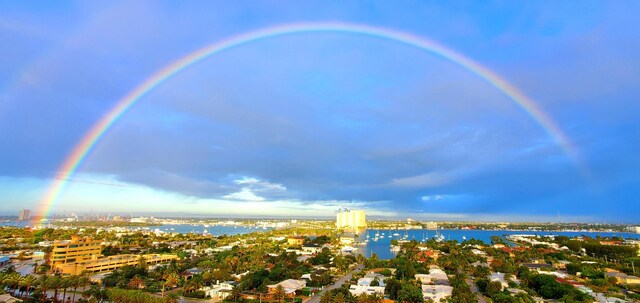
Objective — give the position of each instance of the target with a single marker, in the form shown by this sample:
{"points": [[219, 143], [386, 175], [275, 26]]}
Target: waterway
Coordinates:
{"points": [[382, 247], [215, 230]]}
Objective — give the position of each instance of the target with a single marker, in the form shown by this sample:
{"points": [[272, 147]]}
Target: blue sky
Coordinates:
{"points": [[305, 124]]}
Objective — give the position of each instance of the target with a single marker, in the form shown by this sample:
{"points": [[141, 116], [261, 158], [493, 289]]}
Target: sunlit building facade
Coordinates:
{"points": [[75, 250], [351, 219], [24, 215]]}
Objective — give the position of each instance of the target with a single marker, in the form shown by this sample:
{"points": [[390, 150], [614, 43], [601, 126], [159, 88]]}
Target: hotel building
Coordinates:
{"points": [[72, 257], [75, 250], [351, 219]]}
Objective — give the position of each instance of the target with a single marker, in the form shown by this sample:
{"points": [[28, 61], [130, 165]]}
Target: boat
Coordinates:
{"points": [[396, 234], [349, 249]]}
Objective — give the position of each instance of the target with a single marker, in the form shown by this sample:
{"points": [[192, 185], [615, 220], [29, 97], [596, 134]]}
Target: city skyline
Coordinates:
{"points": [[460, 111]]}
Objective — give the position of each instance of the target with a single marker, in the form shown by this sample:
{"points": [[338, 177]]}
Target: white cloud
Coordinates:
{"points": [[434, 198], [245, 194], [432, 179]]}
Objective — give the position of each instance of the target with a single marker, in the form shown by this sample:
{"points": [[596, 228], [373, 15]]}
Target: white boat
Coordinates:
{"points": [[349, 249], [396, 234]]}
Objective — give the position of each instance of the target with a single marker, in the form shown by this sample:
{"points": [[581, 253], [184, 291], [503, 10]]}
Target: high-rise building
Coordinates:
{"points": [[351, 219], [25, 215]]}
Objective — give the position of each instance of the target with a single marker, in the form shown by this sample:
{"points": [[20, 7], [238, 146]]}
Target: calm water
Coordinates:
{"points": [[18, 223], [216, 230], [383, 245]]}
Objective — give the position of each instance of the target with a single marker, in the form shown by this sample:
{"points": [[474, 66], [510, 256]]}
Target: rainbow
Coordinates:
{"points": [[97, 131]]}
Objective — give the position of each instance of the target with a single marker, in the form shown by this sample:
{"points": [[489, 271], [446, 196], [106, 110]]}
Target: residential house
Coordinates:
{"points": [[436, 292], [436, 276], [499, 277], [290, 287], [220, 290]]}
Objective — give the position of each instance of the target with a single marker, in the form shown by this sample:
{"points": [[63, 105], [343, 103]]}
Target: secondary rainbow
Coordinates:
{"points": [[97, 131]]}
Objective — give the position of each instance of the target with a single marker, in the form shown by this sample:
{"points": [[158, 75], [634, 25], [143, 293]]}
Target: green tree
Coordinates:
{"points": [[493, 287], [392, 288], [410, 294]]}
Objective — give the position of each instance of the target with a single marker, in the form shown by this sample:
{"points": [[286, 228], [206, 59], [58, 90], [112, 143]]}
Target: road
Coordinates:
{"points": [[474, 289], [337, 284]]}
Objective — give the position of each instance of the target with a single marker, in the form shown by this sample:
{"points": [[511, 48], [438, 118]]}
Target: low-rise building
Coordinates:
{"points": [[347, 239], [357, 290], [289, 286], [111, 263], [312, 248], [219, 291], [436, 292], [295, 241], [436, 276], [499, 277]]}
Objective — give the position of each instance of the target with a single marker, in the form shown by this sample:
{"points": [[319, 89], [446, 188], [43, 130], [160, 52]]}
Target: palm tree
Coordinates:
{"points": [[13, 281], [171, 280], [279, 293], [28, 281], [74, 281], [136, 282], [235, 294], [326, 297], [81, 280], [43, 283], [363, 298], [54, 283], [375, 298], [65, 282], [96, 292], [339, 298]]}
